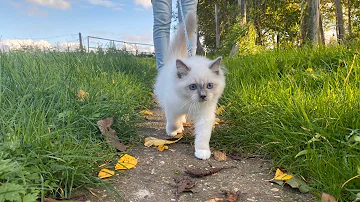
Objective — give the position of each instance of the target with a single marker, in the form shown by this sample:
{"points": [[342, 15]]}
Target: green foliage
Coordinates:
{"points": [[227, 13], [298, 106], [277, 24], [242, 36], [49, 141]]}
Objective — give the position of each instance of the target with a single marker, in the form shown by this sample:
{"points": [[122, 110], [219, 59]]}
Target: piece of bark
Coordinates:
{"points": [[198, 172]]}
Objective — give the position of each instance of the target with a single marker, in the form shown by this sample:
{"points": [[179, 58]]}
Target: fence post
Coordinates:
{"points": [[80, 40], [88, 38]]}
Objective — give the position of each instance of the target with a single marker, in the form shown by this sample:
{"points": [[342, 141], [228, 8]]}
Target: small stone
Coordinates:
{"points": [[275, 189]]}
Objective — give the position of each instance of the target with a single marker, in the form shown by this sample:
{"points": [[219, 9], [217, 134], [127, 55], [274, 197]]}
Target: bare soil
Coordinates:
{"points": [[153, 178]]}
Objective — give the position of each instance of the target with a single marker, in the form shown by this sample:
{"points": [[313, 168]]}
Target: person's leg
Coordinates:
{"points": [[161, 30], [189, 6]]}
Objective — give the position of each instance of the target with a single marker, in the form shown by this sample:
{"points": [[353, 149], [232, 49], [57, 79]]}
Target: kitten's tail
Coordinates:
{"points": [[178, 47]]}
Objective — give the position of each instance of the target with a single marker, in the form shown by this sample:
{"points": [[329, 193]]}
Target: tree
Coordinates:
{"points": [[340, 28], [227, 13], [311, 31]]}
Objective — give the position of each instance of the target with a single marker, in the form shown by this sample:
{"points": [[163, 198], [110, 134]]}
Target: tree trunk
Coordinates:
{"points": [[349, 18], [242, 5], [339, 22], [321, 30], [314, 14], [257, 24], [217, 32], [303, 25]]}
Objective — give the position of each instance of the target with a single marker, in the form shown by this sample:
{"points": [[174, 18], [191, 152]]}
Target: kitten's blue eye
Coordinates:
{"points": [[210, 85], [192, 86]]}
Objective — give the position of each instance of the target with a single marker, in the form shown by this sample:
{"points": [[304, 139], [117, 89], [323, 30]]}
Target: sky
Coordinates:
{"points": [[49, 22]]}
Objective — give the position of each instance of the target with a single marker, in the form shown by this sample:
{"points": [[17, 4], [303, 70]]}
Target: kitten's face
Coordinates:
{"points": [[201, 80]]}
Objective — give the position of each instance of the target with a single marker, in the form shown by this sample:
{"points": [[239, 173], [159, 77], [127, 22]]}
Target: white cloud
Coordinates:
{"points": [[144, 3], [15, 44], [144, 39], [15, 4], [34, 11], [106, 3], [58, 4]]}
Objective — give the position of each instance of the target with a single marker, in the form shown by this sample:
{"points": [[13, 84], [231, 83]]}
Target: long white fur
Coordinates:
{"points": [[173, 92]]}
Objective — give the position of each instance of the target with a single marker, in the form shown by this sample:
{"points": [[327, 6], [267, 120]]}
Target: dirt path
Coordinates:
{"points": [[152, 179]]}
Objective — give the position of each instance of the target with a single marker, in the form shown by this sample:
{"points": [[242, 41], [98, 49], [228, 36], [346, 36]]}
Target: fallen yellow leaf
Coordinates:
{"points": [[179, 135], [146, 112], [162, 148], [152, 94], [105, 173], [152, 141], [218, 121], [126, 162], [219, 110], [279, 175], [82, 95]]}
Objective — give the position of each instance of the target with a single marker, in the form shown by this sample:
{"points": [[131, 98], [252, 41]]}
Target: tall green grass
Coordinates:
{"points": [[49, 140], [298, 106]]}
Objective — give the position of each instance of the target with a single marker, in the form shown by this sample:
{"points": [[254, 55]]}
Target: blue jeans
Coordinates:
{"points": [[162, 11]]}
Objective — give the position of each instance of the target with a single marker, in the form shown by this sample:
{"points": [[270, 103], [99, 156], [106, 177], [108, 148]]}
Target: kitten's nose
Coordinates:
{"points": [[203, 97]]}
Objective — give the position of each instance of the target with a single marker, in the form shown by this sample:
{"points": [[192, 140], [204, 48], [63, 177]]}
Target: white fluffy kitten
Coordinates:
{"points": [[190, 86]]}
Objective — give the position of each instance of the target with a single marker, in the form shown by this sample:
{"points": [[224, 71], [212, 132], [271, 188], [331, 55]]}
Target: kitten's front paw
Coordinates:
{"points": [[173, 133], [202, 154]]}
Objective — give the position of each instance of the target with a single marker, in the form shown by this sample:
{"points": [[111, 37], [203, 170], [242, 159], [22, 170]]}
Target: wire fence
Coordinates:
{"points": [[138, 49], [75, 42]]}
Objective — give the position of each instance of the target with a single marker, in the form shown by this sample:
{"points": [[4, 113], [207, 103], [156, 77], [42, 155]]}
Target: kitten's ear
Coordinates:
{"points": [[182, 69], [215, 65]]}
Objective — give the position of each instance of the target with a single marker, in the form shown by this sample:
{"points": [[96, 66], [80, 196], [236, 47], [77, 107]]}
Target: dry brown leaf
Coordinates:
{"points": [[126, 162], [146, 112], [110, 134], [229, 197], [183, 184], [220, 156], [105, 173], [327, 198]]}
